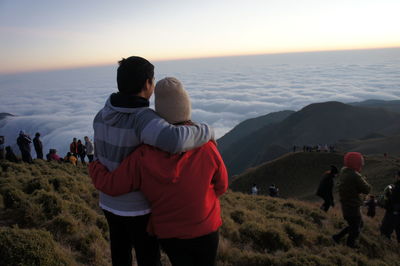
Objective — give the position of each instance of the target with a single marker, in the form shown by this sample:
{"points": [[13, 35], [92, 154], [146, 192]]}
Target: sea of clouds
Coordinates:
{"points": [[224, 91]]}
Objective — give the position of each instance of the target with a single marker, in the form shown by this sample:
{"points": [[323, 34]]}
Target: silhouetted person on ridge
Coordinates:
{"points": [[10, 155], [325, 188], [73, 147], [391, 220], [81, 151], [24, 144], [371, 204], [37, 143], [273, 191], [351, 186], [89, 149], [254, 190], [69, 158]]}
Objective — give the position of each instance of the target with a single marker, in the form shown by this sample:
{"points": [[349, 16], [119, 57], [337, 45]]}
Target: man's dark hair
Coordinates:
{"points": [[132, 74], [37, 134]]}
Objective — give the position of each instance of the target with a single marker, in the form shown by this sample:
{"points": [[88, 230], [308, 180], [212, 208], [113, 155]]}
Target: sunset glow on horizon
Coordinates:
{"points": [[63, 34]]}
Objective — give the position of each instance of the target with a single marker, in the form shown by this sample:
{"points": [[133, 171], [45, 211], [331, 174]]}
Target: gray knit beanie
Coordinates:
{"points": [[172, 102]]}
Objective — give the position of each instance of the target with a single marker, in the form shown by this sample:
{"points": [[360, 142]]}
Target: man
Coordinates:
{"points": [[325, 188], [24, 144], [391, 220], [73, 147], [125, 122], [37, 143], [351, 186]]}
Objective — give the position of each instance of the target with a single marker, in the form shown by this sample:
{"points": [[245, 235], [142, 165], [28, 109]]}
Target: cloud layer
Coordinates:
{"points": [[224, 91]]}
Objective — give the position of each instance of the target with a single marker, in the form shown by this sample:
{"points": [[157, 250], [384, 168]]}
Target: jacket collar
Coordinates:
{"points": [[128, 101]]}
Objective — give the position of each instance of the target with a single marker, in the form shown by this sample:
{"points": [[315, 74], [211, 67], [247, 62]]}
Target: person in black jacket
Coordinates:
{"points": [[81, 151], [325, 188], [391, 220], [24, 144], [37, 143]]}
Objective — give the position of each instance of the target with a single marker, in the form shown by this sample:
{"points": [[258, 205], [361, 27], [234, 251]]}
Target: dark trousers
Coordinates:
{"points": [[26, 156], [90, 157], [82, 156], [390, 223], [127, 232], [39, 154], [199, 251], [355, 223]]}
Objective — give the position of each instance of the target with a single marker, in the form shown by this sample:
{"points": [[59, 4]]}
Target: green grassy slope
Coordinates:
{"points": [[298, 174], [49, 216], [320, 123]]}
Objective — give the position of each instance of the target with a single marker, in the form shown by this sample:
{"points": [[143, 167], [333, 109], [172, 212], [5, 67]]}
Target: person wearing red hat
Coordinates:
{"points": [[351, 185]]}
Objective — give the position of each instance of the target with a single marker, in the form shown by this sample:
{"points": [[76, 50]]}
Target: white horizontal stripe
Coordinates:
{"points": [[125, 213]]}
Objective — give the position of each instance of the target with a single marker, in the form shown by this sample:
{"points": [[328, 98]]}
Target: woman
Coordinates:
{"points": [[183, 189]]}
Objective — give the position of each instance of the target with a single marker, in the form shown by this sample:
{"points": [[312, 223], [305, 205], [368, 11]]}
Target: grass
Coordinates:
{"points": [[49, 215]]}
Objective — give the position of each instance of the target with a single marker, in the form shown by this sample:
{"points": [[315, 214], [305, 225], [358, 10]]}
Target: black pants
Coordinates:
{"points": [[90, 157], [355, 223], [390, 223], [127, 232], [39, 154], [199, 251], [26, 156], [82, 156]]}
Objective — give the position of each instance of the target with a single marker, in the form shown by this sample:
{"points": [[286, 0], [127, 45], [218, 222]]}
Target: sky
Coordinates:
{"points": [[51, 34]]}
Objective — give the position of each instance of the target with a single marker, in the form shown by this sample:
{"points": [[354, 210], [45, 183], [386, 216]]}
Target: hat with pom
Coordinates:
{"points": [[354, 160]]}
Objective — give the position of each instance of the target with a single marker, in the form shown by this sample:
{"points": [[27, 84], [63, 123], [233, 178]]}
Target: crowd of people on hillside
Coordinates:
{"points": [[160, 175], [76, 150], [353, 189], [314, 148]]}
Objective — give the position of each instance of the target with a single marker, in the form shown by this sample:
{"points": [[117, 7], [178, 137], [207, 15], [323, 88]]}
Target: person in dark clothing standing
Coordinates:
{"points": [[391, 220], [24, 144], [325, 188], [371, 204], [351, 186], [37, 143], [81, 151], [73, 147]]}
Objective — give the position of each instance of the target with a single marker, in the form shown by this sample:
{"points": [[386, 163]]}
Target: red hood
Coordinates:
{"points": [[165, 167], [354, 160]]}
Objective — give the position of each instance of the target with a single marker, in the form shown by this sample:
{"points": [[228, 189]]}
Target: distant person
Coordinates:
{"points": [[351, 185], [391, 220], [81, 151], [273, 191], [125, 122], [24, 144], [182, 189], [69, 158], [254, 189], [325, 188], [385, 155], [89, 149], [53, 156], [294, 148], [371, 204], [10, 155], [73, 147], [2, 146], [37, 143]]}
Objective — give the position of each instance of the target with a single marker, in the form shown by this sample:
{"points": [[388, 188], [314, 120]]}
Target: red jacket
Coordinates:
{"points": [[182, 189]]}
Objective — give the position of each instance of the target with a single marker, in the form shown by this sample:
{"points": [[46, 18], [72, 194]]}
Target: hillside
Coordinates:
{"points": [[49, 216], [298, 174], [249, 126], [321, 123], [373, 144], [393, 106]]}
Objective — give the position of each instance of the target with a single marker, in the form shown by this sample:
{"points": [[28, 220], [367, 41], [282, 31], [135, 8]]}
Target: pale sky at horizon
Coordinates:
{"points": [[47, 34]]}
